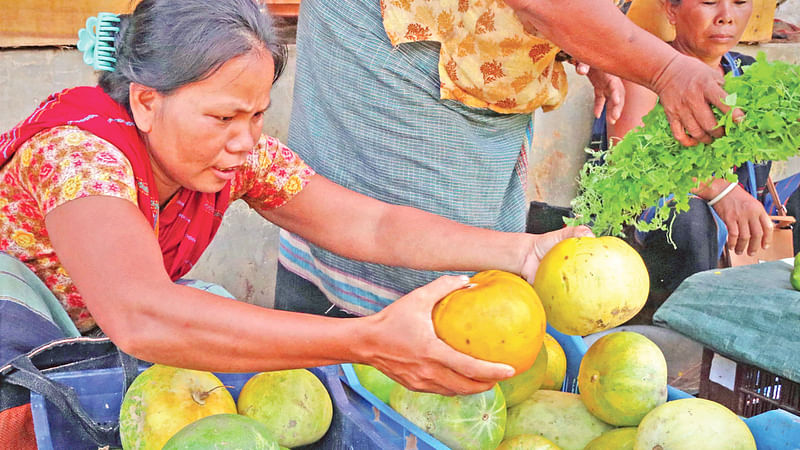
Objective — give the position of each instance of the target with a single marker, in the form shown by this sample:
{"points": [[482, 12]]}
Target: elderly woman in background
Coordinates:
{"points": [[707, 31]]}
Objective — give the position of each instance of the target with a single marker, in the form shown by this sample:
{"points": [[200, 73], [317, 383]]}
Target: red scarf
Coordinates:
{"points": [[189, 221]]}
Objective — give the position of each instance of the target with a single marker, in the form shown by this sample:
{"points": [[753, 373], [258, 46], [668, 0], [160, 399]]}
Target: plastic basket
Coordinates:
{"points": [[773, 430], [360, 420], [748, 390], [356, 424]]}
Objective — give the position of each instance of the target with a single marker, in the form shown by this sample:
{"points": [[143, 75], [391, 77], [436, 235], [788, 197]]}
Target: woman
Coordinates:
{"points": [[707, 31], [170, 137]]}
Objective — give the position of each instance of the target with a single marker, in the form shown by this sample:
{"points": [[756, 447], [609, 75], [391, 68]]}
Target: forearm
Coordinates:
{"points": [[118, 269], [359, 227], [186, 327], [605, 39], [412, 238]]}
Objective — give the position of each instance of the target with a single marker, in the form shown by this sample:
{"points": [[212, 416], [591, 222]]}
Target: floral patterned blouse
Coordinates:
{"points": [[65, 163], [486, 58]]}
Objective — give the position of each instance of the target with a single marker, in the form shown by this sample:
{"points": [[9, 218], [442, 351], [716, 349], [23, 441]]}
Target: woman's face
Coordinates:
{"points": [[707, 29], [199, 135]]}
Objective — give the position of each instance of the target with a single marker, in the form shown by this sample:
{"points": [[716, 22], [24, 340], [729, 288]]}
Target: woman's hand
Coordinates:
{"points": [[543, 244], [686, 88], [405, 347], [749, 226], [609, 91], [607, 40]]}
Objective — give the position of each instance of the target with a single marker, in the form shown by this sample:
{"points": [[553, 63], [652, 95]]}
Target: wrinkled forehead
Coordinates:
{"points": [[246, 77]]}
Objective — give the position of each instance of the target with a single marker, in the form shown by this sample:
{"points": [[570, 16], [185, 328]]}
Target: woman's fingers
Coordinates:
{"points": [[544, 242], [599, 103], [409, 351], [470, 367], [431, 293], [444, 370], [756, 236], [676, 125], [733, 235], [769, 230], [686, 89]]}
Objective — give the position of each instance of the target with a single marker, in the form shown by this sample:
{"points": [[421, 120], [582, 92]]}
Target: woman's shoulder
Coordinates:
{"points": [[270, 150], [69, 152], [271, 169], [77, 143]]}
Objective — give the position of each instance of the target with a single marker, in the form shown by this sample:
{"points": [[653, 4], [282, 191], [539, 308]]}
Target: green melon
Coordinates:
{"points": [[692, 423], [559, 416], [468, 422], [375, 381], [523, 385], [293, 404], [528, 442], [223, 432], [163, 399], [622, 377], [616, 439]]}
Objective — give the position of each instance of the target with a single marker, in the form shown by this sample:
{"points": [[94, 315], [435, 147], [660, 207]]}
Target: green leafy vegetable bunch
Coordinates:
{"points": [[648, 164]]}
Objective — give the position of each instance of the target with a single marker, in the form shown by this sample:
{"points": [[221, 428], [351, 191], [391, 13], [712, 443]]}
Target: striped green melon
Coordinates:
{"points": [[622, 377], [223, 432], [468, 422]]}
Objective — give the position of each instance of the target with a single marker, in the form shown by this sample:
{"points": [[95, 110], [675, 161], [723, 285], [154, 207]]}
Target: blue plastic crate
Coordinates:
{"points": [[355, 425], [360, 420], [773, 430]]}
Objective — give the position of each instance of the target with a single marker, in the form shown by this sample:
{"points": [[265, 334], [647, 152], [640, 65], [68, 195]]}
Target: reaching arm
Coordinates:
{"points": [[119, 271], [607, 40], [362, 228]]}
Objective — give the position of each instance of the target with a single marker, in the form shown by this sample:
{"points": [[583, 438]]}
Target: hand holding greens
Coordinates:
{"points": [[648, 164]]}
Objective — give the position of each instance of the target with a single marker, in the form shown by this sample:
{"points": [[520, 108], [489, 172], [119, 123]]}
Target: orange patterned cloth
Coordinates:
{"points": [[487, 59], [65, 163]]}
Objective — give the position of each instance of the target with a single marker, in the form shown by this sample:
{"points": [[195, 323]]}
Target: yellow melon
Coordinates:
{"points": [[497, 317], [590, 284], [556, 364], [622, 377]]}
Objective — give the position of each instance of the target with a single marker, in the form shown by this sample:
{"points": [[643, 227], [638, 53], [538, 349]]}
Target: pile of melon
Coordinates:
{"points": [[582, 286], [172, 409]]}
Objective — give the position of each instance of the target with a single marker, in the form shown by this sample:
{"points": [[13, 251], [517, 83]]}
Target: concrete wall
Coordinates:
{"points": [[243, 255]]}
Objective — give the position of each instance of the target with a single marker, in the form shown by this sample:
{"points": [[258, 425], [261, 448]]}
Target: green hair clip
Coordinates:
{"points": [[96, 41]]}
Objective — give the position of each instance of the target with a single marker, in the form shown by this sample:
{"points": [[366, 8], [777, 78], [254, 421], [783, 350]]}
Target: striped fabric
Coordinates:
{"points": [[368, 116]]}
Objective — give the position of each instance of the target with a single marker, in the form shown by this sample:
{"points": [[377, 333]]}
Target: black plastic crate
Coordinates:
{"points": [[754, 390]]}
